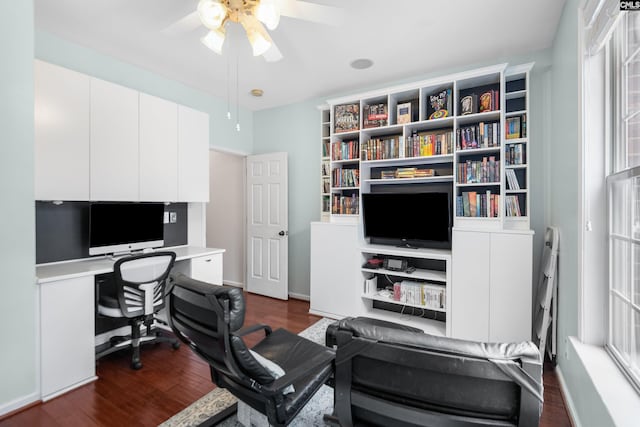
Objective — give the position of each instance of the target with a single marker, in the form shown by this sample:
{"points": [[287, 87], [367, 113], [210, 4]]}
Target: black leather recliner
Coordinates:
{"points": [[209, 319], [388, 377]]}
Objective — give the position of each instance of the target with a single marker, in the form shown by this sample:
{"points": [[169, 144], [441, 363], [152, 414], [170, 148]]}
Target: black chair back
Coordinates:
{"points": [[387, 377]]}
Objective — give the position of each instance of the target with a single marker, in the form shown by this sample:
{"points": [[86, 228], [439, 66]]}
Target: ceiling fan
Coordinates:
{"points": [[253, 15]]}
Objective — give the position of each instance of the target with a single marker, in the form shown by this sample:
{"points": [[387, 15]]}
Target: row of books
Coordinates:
{"points": [[514, 154], [325, 168], [326, 204], [433, 143], [481, 135], [407, 173], [325, 186], [325, 148], [478, 204], [512, 180], [419, 293], [345, 150], [486, 170], [516, 127], [345, 205], [381, 148], [346, 178], [512, 206], [375, 115]]}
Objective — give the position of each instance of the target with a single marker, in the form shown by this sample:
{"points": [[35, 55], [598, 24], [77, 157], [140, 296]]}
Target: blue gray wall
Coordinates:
{"points": [[17, 244], [69, 55]]}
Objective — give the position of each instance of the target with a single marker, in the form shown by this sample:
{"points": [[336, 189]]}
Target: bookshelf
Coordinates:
{"points": [[468, 129], [325, 163]]}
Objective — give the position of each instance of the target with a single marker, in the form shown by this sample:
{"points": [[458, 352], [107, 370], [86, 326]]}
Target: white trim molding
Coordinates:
{"points": [[19, 403]]}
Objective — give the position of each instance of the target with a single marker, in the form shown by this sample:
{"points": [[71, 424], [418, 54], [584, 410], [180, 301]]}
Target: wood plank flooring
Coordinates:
{"points": [[173, 379]]}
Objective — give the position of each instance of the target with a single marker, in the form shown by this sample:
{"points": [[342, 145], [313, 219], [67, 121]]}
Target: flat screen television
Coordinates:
{"points": [[125, 227], [408, 219]]}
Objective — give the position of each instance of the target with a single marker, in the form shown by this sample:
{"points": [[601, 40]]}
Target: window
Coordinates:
{"points": [[623, 186]]}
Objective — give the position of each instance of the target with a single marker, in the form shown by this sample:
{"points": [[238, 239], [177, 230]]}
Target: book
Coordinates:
{"points": [[404, 113], [469, 104], [375, 115], [439, 104], [346, 117]]}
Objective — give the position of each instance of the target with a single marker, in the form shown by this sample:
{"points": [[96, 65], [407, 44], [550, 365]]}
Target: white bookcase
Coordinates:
{"points": [[480, 155]]}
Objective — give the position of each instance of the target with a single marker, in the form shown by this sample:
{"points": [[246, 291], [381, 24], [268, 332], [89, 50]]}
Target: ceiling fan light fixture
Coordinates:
{"points": [[214, 40], [212, 13], [260, 43], [267, 12]]}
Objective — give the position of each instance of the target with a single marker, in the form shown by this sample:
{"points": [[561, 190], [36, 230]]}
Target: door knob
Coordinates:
{"points": [[283, 233]]}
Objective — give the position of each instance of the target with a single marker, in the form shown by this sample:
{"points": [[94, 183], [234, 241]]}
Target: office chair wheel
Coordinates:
{"points": [[136, 365], [175, 345]]}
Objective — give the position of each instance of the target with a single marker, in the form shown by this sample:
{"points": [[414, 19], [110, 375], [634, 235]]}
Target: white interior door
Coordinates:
{"points": [[267, 225]]}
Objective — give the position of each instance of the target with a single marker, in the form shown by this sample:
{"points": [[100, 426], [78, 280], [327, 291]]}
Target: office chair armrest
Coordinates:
{"points": [[318, 361], [253, 328]]}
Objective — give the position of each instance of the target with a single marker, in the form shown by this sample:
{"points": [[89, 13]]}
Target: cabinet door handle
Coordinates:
{"points": [[207, 260]]}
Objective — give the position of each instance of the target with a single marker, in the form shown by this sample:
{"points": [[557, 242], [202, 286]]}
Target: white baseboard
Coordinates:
{"points": [[233, 283], [571, 407], [299, 296], [18, 403]]}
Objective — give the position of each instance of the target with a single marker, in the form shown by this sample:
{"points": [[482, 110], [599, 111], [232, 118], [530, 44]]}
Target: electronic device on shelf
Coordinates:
{"points": [[421, 219], [116, 227], [395, 264]]}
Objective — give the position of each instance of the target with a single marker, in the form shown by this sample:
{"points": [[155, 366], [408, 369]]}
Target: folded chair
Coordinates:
{"points": [[210, 320]]}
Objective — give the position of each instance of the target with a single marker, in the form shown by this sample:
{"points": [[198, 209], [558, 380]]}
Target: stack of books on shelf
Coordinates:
{"points": [[477, 204], [348, 178], [345, 205], [514, 154], [512, 205], [381, 148], [481, 135], [424, 173], [347, 150], [475, 171], [418, 293], [433, 143], [439, 104], [512, 180], [375, 116], [406, 173], [516, 127], [346, 117]]}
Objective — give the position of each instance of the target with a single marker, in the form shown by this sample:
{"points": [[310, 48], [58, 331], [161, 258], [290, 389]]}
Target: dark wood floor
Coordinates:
{"points": [[172, 379]]}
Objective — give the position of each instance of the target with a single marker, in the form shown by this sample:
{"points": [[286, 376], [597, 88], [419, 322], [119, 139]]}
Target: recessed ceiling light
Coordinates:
{"points": [[257, 92], [361, 64]]}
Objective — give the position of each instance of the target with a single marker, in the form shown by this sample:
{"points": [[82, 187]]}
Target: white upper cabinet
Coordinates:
{"points": [[114, 142], [62, 133], [193, 155], [158, 149]]}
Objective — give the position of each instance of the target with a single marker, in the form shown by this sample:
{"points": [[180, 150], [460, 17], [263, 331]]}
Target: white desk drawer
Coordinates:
{"points": [[207, 269]]}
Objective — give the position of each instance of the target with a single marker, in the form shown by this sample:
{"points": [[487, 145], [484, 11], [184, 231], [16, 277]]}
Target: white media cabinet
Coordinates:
{"points": [[487, 274]]}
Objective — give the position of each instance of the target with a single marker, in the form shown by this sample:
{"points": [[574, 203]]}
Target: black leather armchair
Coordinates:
{"points": [[391, 377], [209, 319]]}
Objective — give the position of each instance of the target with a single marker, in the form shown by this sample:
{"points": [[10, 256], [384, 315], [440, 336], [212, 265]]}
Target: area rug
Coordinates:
{"points": [[222, 403]]}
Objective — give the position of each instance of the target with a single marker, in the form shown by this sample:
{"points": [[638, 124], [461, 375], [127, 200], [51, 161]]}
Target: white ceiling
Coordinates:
{"points": [[404, 38]]}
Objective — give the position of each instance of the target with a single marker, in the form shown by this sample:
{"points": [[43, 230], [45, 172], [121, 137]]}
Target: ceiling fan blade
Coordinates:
{"points": [[313, 12], [273, 54], [187, 23]]}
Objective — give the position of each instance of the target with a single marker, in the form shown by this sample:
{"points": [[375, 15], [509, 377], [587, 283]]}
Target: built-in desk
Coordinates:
{"points": [[67, 313]]}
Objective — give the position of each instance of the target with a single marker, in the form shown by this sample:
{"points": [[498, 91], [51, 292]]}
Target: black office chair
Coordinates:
{"points": [[140, 293], [388, 377], [209, 319]]}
